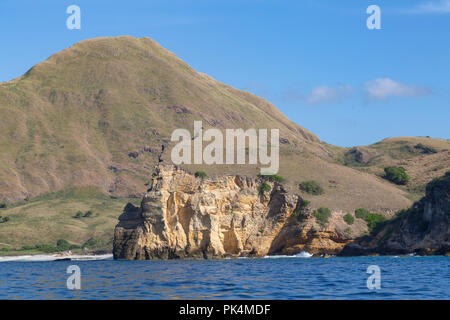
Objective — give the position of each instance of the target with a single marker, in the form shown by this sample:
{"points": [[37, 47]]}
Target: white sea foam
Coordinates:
{"points": [[54, 257], [302, 254]]}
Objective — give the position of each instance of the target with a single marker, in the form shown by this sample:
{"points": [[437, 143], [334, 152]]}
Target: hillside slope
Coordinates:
{"points": [[97, 113], [423, 158], [423, 229]]}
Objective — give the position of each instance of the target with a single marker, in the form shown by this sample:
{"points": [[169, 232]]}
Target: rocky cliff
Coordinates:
{"points": [[423, 229], [184, 216]]}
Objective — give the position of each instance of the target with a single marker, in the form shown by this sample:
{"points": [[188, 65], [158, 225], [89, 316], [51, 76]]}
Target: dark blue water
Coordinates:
{"points": [[283, 278]]}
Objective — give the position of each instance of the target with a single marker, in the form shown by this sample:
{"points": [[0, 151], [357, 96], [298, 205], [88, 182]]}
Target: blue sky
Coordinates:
{"points": [[315, 60]]}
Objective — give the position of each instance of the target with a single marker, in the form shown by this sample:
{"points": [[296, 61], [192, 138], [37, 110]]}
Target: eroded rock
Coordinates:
{"points": [[183, 216]]}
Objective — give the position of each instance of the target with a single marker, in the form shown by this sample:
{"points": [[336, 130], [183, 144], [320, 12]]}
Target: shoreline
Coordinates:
{"points": [[56, 257], [99, 257]]}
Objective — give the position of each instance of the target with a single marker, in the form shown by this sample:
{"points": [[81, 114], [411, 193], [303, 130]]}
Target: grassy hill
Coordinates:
{"points": [[94, 117], [423, 158], [75, 215]]}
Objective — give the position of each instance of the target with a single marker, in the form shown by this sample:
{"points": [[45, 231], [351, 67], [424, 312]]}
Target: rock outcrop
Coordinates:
{"points": [[423, 229], [184, 216]]}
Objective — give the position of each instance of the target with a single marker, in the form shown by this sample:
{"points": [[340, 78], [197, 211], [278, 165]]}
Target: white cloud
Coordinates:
{"points": [[442, 6], [324, 94], [385, 88]]}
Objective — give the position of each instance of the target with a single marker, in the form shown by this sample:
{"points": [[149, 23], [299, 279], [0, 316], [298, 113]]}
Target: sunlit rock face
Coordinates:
{"points": [[183, 216]]}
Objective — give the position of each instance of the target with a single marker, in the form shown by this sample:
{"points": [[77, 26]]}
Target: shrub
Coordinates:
{"points": [[27, 248], [348, 230], [304, 204], [349, 219], [91, 242], [78, 215], [200, 174], [46, 248], [4, 219], [361, 213], [311, 187], [271, 177], [88, 214], [322, 215], [298, 213], [425, 149], [3, 205], [373, 219], [62, 245], [396, 175], [264, 187], [114, 197]]}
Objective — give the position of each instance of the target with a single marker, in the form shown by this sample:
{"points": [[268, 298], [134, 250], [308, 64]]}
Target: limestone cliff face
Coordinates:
{"points": [[423, 229], [183, 216]]}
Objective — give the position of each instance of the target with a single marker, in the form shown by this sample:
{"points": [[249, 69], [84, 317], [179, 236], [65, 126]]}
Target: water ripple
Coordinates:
{"points": [[283, 278]]}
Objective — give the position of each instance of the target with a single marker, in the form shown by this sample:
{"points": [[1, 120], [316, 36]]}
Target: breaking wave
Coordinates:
{"points": [[303, 254]]}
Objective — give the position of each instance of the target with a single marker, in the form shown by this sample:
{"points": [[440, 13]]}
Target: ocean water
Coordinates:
{"points": [[275, 278]]}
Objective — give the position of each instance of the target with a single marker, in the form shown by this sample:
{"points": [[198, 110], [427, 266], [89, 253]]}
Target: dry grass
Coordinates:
{"points": [[71, 121], [50, 217], [421, 167]]}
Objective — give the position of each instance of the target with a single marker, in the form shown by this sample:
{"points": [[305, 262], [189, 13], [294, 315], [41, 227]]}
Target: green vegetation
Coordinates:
{"points": [[304, 204], [54, 213], [3, 205], [32, 106], [91, 242], [425, 149], [396, 175], [322, 215], [349, 219], [80, 214], [348, 230], [200, 174], [46, 248], [264, 187], [372, 219], [4, 219], [88, 214], [361, 213], [311, 187], [423, 159], [62, 244], [299, 211], [271, 177]]}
